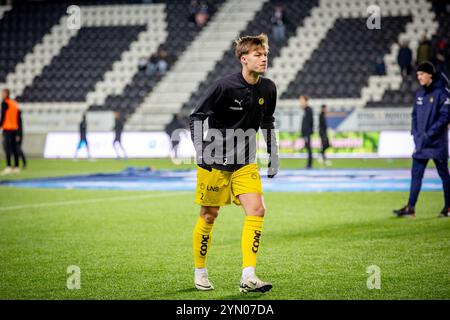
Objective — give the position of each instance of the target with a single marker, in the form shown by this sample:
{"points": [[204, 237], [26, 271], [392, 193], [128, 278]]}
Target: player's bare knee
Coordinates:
{"points": [[209, 214], [260, 211], [209, 219]]}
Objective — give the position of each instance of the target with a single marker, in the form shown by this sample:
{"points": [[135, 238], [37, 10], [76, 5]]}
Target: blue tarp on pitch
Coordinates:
{"points": [[299, 180]]}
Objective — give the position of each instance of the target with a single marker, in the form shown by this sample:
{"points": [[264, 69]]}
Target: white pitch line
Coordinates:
{"points": [[66, 203]]}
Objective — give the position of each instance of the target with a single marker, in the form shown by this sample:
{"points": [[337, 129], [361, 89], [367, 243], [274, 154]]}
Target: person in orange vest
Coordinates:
{"points": [[9, 122]]}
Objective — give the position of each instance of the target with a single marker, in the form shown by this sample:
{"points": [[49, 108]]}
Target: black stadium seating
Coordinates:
{"points": [[345, 59], [180, 33], [21, 28], [296, 11], [80, 64]]}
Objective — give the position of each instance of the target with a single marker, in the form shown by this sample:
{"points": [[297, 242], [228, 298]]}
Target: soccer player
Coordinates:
{"points": [[9, 122], [430, 118], [236, 107]]}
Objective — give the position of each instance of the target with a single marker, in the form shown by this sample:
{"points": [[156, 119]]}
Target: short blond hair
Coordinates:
{"points": [[243, 44]]}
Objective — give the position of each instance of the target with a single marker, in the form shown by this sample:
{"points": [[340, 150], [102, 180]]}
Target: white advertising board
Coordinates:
{"points": [[136, 145], [396, 144]]}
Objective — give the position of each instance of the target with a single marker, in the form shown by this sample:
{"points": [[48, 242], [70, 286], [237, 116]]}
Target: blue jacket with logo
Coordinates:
{"points": [[430, 118]]}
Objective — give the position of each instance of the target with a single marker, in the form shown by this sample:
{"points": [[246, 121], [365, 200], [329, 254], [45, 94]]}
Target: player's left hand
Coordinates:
{"points": [[273, 166]]}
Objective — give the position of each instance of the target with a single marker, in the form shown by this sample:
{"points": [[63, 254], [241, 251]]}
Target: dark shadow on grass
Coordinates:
{"points": [[188, 290], [378, 229], [246, 296], [176, 293], [418, 218]]}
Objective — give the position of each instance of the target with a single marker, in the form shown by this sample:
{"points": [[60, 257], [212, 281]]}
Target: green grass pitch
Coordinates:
{"points": [[137, 245]]}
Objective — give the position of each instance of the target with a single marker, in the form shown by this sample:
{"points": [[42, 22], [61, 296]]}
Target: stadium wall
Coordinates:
{"points": [[33, 145]]}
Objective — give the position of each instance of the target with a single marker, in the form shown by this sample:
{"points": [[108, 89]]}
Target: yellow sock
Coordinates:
{"points": [[201, 242], [251, 237]]}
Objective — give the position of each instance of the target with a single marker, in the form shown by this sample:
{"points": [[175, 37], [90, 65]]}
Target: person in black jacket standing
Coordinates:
{"points": [[430, 118], [323, 127], [307, 127], [119, 121], [19, 140], [404, 59]]}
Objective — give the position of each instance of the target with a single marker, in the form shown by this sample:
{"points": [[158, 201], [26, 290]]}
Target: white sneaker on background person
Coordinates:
{"points": [[6, 171], [15, 170]]}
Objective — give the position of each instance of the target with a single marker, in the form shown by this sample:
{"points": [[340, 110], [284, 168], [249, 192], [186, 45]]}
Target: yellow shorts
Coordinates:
{"points": [[218, 188]]}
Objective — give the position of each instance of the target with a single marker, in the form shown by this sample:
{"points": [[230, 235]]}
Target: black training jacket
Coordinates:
{"points": [[231, 104]]}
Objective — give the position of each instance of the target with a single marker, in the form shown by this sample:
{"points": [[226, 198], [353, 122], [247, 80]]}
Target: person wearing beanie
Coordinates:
{"points": [[430, 119], [426, 67]]}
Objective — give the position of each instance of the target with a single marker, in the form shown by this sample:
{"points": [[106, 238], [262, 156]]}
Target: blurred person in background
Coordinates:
{"points": [[10, 121], [202, 13], [163, 61], [193, 7], [307, 128], [441, 57], [278, 21], [158, 63], [323, 132], [119, 122], [19, 140], [83, 137], [152, 66], [430, 119], [179, 121], [380, 67], [423, 50], [404, 59]]}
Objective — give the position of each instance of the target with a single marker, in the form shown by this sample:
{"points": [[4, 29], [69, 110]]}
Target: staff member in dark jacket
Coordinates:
{"points": [[404, 59], [19, 140], [323, 127], [9, 122], [307, 127], [430, 118], [119, 122]]}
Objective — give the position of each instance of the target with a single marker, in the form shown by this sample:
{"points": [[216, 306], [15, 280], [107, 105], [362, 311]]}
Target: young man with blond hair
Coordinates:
{"points": [[236, 107]]}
